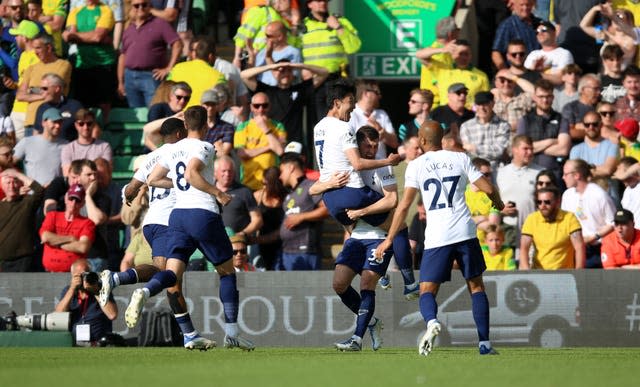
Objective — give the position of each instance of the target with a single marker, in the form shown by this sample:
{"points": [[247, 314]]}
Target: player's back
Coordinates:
{"points": [[331, 138], [442, 177], [161, 200], [176, 158]]}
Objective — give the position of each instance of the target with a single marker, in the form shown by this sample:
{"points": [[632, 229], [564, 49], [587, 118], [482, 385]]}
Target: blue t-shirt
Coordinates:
{"points": [[595, 156]]}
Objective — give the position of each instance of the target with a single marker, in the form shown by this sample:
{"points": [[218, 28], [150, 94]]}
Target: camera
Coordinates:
{"points": [[90, 277], [56, 321], [8, 322]]}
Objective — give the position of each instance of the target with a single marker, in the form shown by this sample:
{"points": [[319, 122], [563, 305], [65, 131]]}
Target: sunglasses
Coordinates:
{"points": [[15, 7], [544, 183], [264, 105], [140, 5], [85, 123], [591, 124], [503, 80], [542, 30], [414, 101], [182, 97], [462, 92], [545, 202], [519, 53], [241, 251], [609, 113]]}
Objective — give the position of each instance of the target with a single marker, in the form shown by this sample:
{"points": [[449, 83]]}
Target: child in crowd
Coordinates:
{"points": [[629, 145], [496, 255]]}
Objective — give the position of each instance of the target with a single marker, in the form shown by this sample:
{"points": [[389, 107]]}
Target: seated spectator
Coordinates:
{"points": [[628, 106], [546, 179], [85, 147], [66, 235], [231, 113], [621, 248], [600, 153], [178, 99], [555, 234], [629, 145], [573, 112], [6, 155], [53, 86], [508, 105], [80, 299], [454, 113], [521, 25], [270, 199], [420, 103], [220, 132], [516, 54], [258, 142], [607, 114], [41, 155], [240, 257], [17, 218], [611, 73], [568, 91], [496, 255]]}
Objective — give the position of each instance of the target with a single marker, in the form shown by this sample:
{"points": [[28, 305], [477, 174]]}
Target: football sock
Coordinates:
{"points": [[403, 256], [428, 306], [480, 309], [127, 277], [351, 299], [230, 297], [365, 312], [185, 324], [231, 329], [160, 281]]}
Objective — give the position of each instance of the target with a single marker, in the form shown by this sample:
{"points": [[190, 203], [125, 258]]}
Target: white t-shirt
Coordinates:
{"points": [[175, 159], [442, 177], [554, 60], [631, 201], [517, 184], [161, 200], [376, 179], [594, 208], [358, 119], [332, 137]]}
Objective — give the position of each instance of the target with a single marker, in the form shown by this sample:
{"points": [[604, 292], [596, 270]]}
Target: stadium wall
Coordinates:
{"points": [[566, 308]]}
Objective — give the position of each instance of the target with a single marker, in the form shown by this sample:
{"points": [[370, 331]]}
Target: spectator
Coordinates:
{"points": [[480, 206], [258, 142], [220, 132], [509, 106], [609, 33], [592, 206], [486, 135], [144, 59], [79, 298], [67, 236], [198, 71], [301, 228], [270, 200], [29, 90], [607, 114], [438, 55], [85, 146], [496, 255], [567, 15], [628, 131], [117, 8], [568, 92], [516, 54], [412, 151], [241, 215], [90, 27], [231, 113], [628, 106], [600, 153], [54, 15], [368, 112], [555, 234], [168, 10], [573, 112], [288, 98], [276, 49], [113, 223], [6, 154], [17, 219], [546, 178], [550, 59], [179, 97], [420, 103], [611, 73], [41, 155], [14, 68], [10, 49], [621, 248], [53, 86], [240, 257], [551, 140], [627, 172], [521, 25], [454, 113]]}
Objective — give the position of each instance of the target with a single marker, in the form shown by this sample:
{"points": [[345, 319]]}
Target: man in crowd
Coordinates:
{"points": [[454, 113], [220, 132], [621, 248], [85, 146], [53, 86]]}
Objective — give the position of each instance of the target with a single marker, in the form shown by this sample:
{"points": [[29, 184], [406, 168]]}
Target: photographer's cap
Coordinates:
{"points": [[294, 147], [52, 114], [26, 28], [76, 191], [623, 217]]}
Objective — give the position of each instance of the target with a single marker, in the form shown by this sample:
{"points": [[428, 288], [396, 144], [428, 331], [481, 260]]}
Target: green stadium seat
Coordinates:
{"points": [[123, 167], [127, 118]]}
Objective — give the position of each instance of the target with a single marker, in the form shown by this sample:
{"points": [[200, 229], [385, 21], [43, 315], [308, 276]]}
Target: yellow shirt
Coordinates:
{"points": [[199, 75], [479, 204], [428, 75], [630, 148], [249, 136], [501, 261], [56, 8], [33, 76], [27, 59], [552, 240], [474, 79]]}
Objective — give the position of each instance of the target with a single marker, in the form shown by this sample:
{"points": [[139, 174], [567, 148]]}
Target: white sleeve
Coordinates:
{"points": [[411, 175]]}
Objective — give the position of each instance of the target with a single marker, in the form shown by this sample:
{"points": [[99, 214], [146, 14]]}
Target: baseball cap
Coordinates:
{"points": [[483, 97], [294, 147], [76, 191], [628, 127], [623, 217], [547, 24], [52, 114], [456, 87], [26, 28], [238, 238], [210, 96]]}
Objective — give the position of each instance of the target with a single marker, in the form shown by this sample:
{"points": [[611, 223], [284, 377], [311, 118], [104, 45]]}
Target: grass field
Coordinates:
{"points": [[97, 367]]}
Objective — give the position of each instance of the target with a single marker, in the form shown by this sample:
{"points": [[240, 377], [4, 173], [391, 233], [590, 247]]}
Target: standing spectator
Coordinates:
{"points": [[508, 105], [609, 33], [85, 146], [420, 103], [270, 199], [368, 112], [621, 248], [543, 125], [520, 25], [600, 153], [567, 15], [592, 206], [17, 219], [66, 235], [54, 15], [258, 142], [41, 154], [486, 135], [327, 42], [516, 55], [220, 132], [10, 49], [628, 106], [143, 60], [556, 235], [550, 59], [301, 228], [611, 73], [568, 92], [454, 113], [573, 112], [117, 8], [198, 71], [277, 49], [53, 86]]}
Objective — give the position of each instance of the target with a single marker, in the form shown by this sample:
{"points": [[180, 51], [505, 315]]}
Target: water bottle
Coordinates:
{"points": [[599, 34]]}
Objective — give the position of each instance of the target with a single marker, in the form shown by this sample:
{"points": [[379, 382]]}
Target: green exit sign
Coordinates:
{"points": [[386, 66]]}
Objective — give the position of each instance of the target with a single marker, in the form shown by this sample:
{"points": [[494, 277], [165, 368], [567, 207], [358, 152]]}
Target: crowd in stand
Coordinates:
{"points": [[550, 114]]}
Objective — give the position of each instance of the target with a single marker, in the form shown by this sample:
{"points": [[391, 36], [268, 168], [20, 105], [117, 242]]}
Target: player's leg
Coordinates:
{"points": [[404, 258], [339, 200], [348, 264]]}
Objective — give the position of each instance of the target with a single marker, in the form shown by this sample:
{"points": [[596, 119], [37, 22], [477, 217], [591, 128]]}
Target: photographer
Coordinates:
{"points": [[79, 298]]}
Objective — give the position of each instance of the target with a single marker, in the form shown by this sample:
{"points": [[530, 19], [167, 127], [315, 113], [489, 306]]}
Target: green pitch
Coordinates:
{"points": [[283, 367]]}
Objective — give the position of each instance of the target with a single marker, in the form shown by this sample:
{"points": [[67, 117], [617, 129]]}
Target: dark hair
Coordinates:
{"points": [[195, 118], [572, 68], [292, 158], [77, 165], [480, 162], [548, 173], [544, 85], [368, 132], [611, 51], [364, 85], [516, 42], [339, 89], [553, 190], [631, 71], [463, 42], [628, 161], [171, 125], [204, 46], [273, 187], [82, 114]]}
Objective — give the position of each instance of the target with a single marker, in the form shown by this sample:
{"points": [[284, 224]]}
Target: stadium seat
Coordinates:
{"points": [[123, 167], [127, 118]]}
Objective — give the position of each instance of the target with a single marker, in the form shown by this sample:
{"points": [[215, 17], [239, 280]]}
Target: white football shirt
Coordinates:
{"points": [[332, 137], [442, 176], [376, 179], [161, 200]]}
